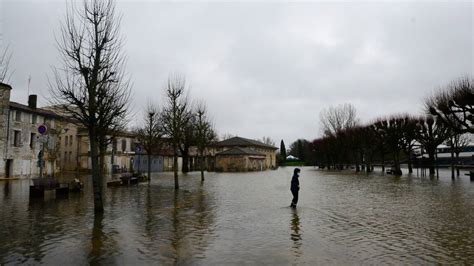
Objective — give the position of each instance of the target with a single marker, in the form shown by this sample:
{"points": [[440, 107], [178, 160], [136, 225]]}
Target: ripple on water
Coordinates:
{"points": [[245, 219]]}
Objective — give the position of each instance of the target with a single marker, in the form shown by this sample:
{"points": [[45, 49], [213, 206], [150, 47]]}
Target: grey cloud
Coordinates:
{"points": [[269, 68]]}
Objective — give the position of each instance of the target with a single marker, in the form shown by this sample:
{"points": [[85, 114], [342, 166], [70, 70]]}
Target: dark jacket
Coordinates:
{"points": [[295, 183]]}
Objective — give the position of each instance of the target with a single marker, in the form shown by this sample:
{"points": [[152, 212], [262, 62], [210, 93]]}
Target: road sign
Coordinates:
{"points": [[42, 129]]}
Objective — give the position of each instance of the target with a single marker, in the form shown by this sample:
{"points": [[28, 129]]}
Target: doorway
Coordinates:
{"points": [[8, 168]]}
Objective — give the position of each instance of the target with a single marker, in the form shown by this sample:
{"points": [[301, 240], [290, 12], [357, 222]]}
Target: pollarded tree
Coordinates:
{"points": [[456, 142], [393, 128], [205, 134], [409, 139], [380, 141], [174, 117], [430, 134], [150, 135], [91, 85], [455, 105], [188, 139]]}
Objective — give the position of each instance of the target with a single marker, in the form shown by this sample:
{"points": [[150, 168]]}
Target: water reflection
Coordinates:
{"points": [[6, 189], [97, 239], [295, 233], [238, 218]]}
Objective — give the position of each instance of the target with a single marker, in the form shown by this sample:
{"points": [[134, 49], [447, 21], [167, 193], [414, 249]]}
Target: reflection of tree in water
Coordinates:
{"points": [[33, 240], [178, 224], [97, 239], [192, 219], [454, 231], [295, 233]]}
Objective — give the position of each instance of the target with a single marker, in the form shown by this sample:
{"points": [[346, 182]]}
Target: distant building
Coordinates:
{"points": [[239, 154], [20, 141], [466, 156]]}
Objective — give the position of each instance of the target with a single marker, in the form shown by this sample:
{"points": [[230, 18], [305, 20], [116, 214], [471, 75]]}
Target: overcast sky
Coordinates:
{"points": [[266, 68]]}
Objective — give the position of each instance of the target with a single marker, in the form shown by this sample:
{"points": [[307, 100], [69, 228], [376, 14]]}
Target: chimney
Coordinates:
{"points": [[32, 101]]}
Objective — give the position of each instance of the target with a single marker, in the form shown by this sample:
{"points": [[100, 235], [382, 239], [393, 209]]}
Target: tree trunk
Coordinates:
{"points": [[458, 163], [201, 167], [431, 157], [175, 169], [383, 163], [410, 164], [185, 166], [452, 164], [396, 161], [149, 168], [96, 176]]}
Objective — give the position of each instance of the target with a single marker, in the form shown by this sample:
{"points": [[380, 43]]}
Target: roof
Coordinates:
{"points": [[40, 111], [5, 86], [239, 151], [242, 142]]}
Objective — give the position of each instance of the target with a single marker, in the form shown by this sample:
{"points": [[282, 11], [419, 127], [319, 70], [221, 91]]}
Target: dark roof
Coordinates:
{"points": [[242, 142], [5, 85], [40, 111], [239, 151]]}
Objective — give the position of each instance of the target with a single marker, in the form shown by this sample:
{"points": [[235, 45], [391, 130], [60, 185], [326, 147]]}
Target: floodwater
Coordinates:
{"points": [[244, 218]]}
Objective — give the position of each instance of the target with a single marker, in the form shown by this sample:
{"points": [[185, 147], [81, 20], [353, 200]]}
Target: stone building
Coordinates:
{"points": [[240, 154], [20, 141], [122, 154]]}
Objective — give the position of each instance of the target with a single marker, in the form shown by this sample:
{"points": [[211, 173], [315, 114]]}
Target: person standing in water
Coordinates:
{"points": [[295, 187]]}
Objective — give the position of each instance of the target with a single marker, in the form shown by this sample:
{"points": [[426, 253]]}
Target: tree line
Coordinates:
{"points": [[449, 115]]}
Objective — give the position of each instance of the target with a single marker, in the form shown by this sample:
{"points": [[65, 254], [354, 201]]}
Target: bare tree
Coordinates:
{"points": [[268, 141], [150, 135], [188, 139], [409, 139], [227, 136], [175, 116], [5, 58], [431, 133], [455, 105], [91, 85], [341, 117], [393, 130], [457, 142], [205, 134]]}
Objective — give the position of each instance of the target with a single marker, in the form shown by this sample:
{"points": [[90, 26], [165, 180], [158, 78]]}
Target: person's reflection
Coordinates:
{"points": [[97, 239], [295, 232]]}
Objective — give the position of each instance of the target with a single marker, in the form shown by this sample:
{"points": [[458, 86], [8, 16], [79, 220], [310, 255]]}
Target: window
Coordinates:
{"points": [[65, 141], [18, 116], [114, 145], [124, 145], [65, 156], [16, 138], [70, 140], [32, 140], [34, 118]]}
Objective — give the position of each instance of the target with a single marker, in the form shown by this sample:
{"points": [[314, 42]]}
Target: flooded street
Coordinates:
{"points": [[237, 218]]}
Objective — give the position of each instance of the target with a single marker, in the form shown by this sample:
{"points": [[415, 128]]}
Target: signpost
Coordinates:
{"points": [[138, 150], [42, 129]]}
